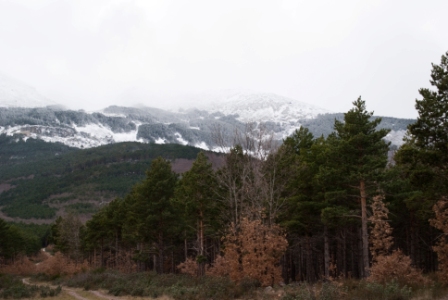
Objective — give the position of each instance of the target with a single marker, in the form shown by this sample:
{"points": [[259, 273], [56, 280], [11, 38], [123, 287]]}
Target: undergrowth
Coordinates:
{"points": [[186, 287], [177, 286], [11, 287], [360, 289]]}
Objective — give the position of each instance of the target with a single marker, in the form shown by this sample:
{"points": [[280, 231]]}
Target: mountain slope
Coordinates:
{"points": [[225, 114], [265, 107], [40, 180]]}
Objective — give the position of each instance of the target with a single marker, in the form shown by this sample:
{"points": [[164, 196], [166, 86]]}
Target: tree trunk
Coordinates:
{"points": [[360, 253], [326, 254], [344, 252], [160, 258], [102, 253], [365, 233], [185, 245], [116, 249], [309, 260], [201, 263]]}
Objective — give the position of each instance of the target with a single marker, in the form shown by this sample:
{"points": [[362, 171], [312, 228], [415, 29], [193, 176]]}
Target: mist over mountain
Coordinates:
{"points": [[14, 93], [25, 113]]}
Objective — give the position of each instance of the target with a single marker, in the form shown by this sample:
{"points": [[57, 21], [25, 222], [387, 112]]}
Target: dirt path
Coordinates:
{"points": [[73, 292], [76, 293]]}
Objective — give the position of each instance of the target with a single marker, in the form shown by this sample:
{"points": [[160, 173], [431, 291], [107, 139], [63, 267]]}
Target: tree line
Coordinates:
{"points": [[313, 208]]}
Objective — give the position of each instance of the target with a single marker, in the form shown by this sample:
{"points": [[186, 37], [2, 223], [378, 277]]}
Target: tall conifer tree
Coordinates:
{"points": [[426, 150], [151, 215], [196, 195], [360, 157]]}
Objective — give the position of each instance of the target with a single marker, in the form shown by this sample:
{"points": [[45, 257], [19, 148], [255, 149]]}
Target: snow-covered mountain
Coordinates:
{"points": [[14, 93], [26, 114], [264, 107]]}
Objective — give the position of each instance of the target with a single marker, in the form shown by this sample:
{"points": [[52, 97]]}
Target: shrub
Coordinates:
{"points": [[396, 267], [175, 286], [391, 290], [219, 267], [59, 264], [299, 292], [22, 266], [12, 287], [252, 251], [189, 266], [329, 291], [441, 222]]}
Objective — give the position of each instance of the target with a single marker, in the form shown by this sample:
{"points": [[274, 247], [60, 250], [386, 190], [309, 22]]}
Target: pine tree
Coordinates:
{"points": [[359, 156], [426, 151], [151, 216], [196, 196], [430, 130], [422, 164], [69, 229], [12, 241], [296, 158], [302, 158]]}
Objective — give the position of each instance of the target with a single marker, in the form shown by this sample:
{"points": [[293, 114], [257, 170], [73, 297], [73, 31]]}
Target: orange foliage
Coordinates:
{"points": [[61, 265], [219, 267], [22, 266], [441, 222], [388, 267], [252, 251], [395, 267], [381, 239], [190, 266]]}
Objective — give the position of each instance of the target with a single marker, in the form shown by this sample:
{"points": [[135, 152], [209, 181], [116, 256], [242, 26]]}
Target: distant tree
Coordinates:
{"points": [[12, 242], [68, 238]]}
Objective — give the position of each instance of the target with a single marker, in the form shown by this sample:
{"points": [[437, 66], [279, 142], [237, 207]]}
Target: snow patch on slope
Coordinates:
{"points": [[202, 145], [160, 141], [265, 107], [396, 137], [88, 136], [180, 139]]}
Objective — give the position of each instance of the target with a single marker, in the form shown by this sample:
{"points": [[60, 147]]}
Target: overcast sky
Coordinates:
{"points": [[92, 53]]}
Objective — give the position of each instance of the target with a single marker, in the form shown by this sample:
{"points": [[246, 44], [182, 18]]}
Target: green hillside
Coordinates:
{"points": [[45, 177]]}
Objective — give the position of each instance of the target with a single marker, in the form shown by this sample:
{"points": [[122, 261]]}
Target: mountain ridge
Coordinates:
{"points": [[228, 112]]}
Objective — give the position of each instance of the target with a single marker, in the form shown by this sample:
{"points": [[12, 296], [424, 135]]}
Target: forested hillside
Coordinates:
{"points": [[39, 179]]}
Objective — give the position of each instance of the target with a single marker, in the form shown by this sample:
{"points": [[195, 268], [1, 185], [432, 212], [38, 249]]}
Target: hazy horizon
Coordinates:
{"points": [[91, 54]]}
